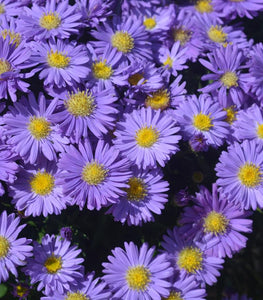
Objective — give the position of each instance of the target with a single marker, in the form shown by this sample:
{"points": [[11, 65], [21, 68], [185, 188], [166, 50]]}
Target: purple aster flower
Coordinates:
{"points": [[86, 110], [11, 28], [66, 233], [198, 143], [55, 19], [147, 137], [13, 59], [13, 251], [249, 124], [135, 274], [214, 217], [226, 65], [96, 178], [191, 258], [10, 8], [55, 265], [30, 132], [21, 290], [144, 196], [89, 288], [37, 190], [239, 173], [61, 64], [128, 37], [202, 115]]}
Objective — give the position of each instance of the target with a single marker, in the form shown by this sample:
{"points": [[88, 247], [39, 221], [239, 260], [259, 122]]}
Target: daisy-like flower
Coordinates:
{"points": [[144, 196], [55, 265], [61, 64], [239, 173], [128, 37], [10, 8], [226, 65], [83, 110], [30, 132], [37, 191], [215, 217], [249, 124], [56, 18], [12, 30], [89, 288], [13, 59], [202, 115], [13, 251], [134, 274], [198, 143], [21, 290], [191, 258], [96, 178], [147, 137]]}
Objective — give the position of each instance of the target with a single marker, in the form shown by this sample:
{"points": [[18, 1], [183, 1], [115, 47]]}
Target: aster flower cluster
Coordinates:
{"points": [[106, 107]]}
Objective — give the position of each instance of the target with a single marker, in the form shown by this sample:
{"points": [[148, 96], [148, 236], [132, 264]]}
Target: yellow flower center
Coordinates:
{"points": [[80, 104], [4, 246], [229, 79], [76, 296], [21, 290], [94, 173], [230, 114], [135, 78], [138, 278], [169, 62], [202, 122], [174, 296], [149, 23], [146, 136], [2, 9], [158, 100], [215, 223], [50, 20], [260, 131], [101, 70], [137, 190], [204, 6], [42, 183], [190, 259], [57, 59], [39, 127], [53, 264], [181, 35], [216, 34], [4, 66], [249, 175], [15, 38], [122, 41]]}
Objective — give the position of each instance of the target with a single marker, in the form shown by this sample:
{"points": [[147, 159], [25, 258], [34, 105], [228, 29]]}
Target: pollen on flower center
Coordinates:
{"points": [[4, 66], [21, 290], [181, 35], [249, 175], [149, 23], [42, 183], [138, 278], [146, 136], [158, 100], [190, 259], [57, 59], [260, 131], [229, 79], [216, 34], [50, 20], [76, 296], [137, 190], [15, 38], [123, 41], [2, 9], [53, 264], [94, 173], [39, 127], [202, 122], [101, 70], [204, 6], [169, 62], [4, 246], [174, 296], [80, 104], [135, 78], [230, 114], [215, 223]]}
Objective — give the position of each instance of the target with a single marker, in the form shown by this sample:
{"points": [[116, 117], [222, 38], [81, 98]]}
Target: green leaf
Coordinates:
{"points": [[3, 290]]}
